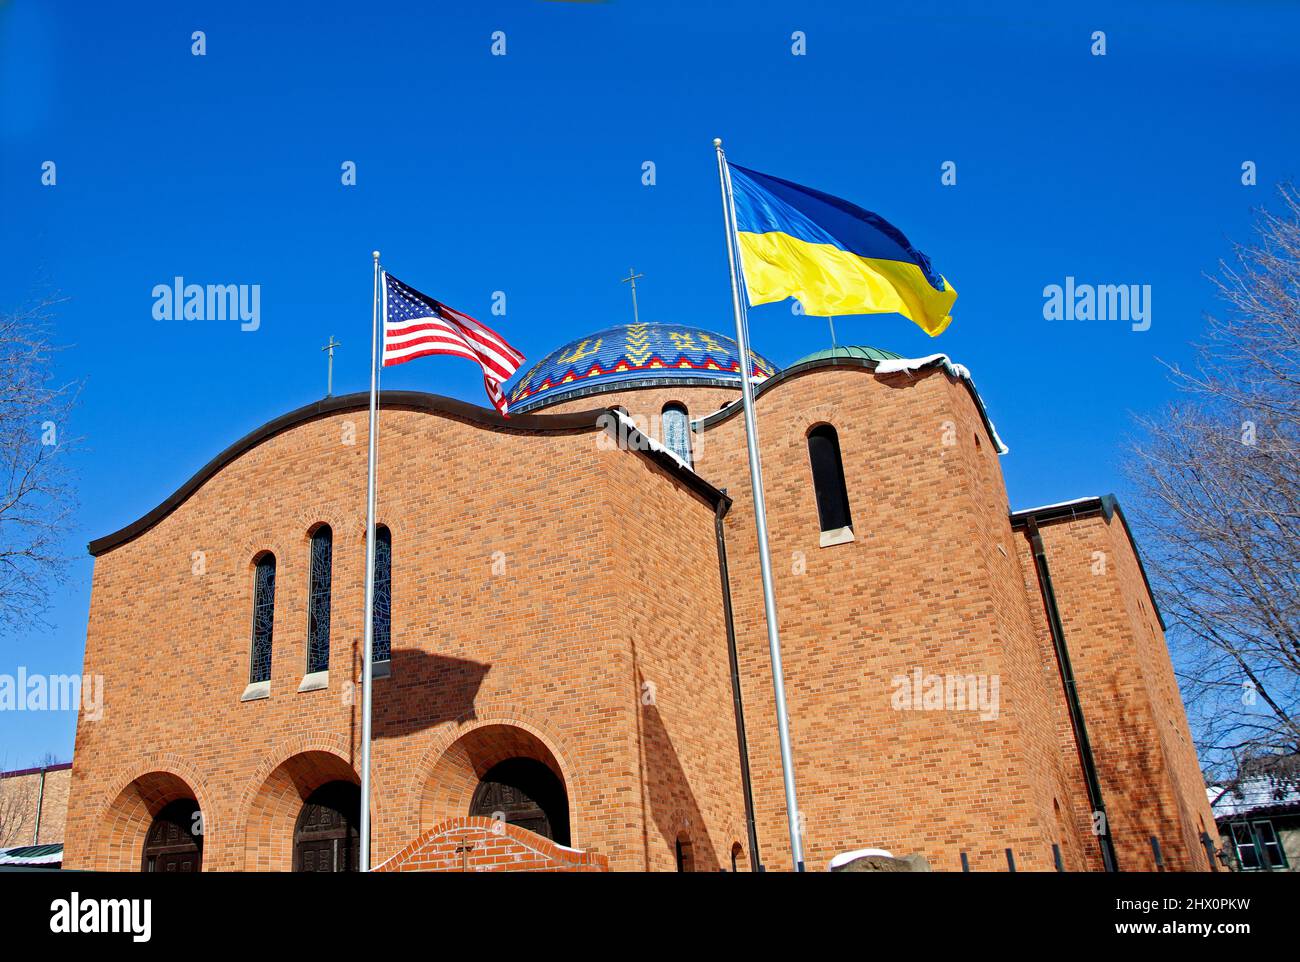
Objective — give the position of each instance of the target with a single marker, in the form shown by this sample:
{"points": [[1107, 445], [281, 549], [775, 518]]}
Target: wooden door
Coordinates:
{"points": [[326, 838], [174, 842]]}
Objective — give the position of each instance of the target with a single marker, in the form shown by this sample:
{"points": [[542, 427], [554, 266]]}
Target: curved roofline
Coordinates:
{"points": [[864, 351], [795, 370], [576, 422]]}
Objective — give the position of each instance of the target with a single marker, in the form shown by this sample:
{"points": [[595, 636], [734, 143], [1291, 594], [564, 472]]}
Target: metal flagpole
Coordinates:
{"points": [[760, 516], [370, 577]]}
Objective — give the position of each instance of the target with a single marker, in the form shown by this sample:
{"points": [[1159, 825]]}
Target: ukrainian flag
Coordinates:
{"points": [[833, 256]]}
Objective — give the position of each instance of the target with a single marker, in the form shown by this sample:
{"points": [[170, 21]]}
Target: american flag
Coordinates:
{"points": [[416, 325]]}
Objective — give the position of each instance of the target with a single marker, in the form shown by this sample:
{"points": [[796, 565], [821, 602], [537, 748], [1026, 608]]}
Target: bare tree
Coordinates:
{"points": [[37, 501], [14, 829], [1218, 478]]}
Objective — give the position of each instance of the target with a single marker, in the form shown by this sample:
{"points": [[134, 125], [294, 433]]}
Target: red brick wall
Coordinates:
{"points": [[482, 845], [576, 618], [925, 584], [646, 406], [1151, 781], [539, 646]]}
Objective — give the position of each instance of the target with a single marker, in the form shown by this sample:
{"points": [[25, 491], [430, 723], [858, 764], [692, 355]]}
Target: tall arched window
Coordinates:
{"points": [[677, 430], [828, 483], [318, 599], [259, 669], [383, 640]]}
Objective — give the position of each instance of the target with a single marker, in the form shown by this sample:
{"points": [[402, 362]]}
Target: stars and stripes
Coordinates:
{"points": [[416, 325]]}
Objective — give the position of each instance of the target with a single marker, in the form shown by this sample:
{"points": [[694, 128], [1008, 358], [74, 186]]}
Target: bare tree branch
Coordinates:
{"points": [[37, 498], [1218, 478]]}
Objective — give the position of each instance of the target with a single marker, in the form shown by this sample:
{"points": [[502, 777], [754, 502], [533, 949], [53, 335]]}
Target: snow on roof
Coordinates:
{"points": [[1058, 504], [892, 366], [1251, 794], [960, 371], [651, 443], [845, 857]]}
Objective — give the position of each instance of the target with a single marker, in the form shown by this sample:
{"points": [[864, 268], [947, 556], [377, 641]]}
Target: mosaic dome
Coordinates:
{"points": [[633, 355]]}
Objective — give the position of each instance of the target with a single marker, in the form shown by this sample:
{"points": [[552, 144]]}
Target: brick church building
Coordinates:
{"points": [[572, 665]]}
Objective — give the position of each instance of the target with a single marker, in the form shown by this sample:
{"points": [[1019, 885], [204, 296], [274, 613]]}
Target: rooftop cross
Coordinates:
{"points": [[329, 378], [631, 279]]}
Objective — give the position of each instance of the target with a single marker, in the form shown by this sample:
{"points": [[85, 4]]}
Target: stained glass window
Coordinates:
{"points": [[383, 594], [677, 431], [263, 618], [318, 611]]}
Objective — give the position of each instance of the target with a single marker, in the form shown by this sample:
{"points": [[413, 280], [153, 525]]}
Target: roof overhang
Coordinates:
{"points": [[1106, 505]]}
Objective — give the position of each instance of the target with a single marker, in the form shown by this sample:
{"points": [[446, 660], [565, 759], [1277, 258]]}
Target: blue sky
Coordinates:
{"points": [[523, 173]]}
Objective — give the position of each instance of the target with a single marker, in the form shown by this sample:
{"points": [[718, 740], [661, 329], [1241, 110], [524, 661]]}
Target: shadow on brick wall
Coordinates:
{"points": [[672, 805], [422, 691]]}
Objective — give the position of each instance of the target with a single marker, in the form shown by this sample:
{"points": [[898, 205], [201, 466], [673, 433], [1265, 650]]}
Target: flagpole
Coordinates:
{"points": [[366, 657], [760, 517]]}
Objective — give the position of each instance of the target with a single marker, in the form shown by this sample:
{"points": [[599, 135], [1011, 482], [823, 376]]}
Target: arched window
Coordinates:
{"points": [[318, 599], [383, 640], [259, 669], [677, 430], [828, 483]]}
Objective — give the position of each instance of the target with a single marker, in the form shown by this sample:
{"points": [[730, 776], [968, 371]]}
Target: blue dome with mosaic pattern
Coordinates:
{"points": [[633, 355]]}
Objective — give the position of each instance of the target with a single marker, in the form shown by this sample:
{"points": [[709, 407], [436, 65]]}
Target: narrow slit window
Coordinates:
{"points": [[677, 431], [263, 619], [383, 639], [318, 612], [828, 479]]}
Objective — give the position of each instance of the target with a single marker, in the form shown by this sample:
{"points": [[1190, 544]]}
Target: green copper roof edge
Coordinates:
{"points": [[864, 351]]}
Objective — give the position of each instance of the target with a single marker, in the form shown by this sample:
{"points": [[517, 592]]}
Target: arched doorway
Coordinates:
{"points": [[326, 838], [528, 794], [174, 842]]}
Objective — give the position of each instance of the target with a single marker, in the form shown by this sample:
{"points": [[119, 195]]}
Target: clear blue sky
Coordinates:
{"points": [[523, 174]]}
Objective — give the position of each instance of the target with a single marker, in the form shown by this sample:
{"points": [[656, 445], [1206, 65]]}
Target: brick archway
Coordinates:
{"points": [[279, 789], [451, 776], [124, 820]]}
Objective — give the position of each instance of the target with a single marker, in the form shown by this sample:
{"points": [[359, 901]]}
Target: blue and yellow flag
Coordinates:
{"points": [[833, 256]]}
